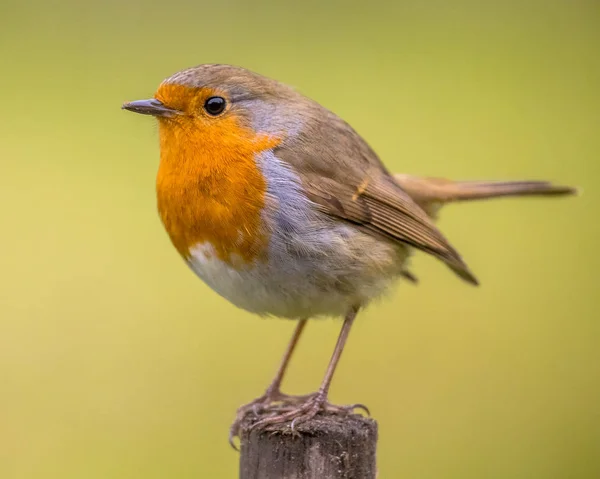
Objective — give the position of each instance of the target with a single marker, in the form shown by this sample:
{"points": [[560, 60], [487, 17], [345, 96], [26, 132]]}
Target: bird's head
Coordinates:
{"points": [[224, 103]]}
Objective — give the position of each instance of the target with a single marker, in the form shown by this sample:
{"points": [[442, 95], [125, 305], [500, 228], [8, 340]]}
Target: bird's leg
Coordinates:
{"points": [[273, 392], [314, 403]]}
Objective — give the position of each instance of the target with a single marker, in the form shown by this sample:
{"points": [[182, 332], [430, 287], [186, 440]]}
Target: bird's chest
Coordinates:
{"points": [[228, 217], [221, 231], [301, 263], [229, 224], [210, 194]]}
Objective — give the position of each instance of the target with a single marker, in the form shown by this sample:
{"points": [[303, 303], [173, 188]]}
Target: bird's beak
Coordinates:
{"points": [[150, 107]]}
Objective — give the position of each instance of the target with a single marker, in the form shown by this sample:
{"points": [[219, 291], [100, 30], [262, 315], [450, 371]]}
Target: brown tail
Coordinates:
{"points": [[431, 193]]}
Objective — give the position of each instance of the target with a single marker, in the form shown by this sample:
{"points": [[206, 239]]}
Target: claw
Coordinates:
{"points": [[272, 405], [253, 407], [293, 425], [232, 436], [297, 413], [362, 407]]}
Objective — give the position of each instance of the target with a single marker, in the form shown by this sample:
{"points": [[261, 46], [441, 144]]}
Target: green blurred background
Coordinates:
{"points": [[116, 362]]}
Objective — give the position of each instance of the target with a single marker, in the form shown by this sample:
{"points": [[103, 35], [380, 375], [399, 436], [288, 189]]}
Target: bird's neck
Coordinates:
{"points": [[211, 190]]}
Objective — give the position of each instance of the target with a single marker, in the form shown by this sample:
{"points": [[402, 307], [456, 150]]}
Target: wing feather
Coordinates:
{"points": [[344, 177], [401, 220]]}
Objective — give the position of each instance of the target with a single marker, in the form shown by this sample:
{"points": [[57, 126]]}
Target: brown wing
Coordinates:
{"points": [[346, 179], [396, 217]]}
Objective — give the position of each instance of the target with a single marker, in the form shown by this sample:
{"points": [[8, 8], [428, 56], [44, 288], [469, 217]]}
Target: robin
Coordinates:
{"points": [[284, 210]]}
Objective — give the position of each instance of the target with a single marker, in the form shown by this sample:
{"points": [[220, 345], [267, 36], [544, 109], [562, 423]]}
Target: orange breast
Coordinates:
{"points": [[209, 186]]}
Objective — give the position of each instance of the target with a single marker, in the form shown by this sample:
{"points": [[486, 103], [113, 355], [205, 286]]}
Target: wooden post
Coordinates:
{"points": [[326, 447]]}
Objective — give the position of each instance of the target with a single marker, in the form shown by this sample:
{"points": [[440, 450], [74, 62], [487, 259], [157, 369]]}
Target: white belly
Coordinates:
{"points": [[327, 281]]}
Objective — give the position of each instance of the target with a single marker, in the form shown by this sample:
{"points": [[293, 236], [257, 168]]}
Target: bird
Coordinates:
{"points": [[284, 210]]}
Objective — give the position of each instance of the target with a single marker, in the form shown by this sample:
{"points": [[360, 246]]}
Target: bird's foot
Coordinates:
{"points": [[301, 411], [273, 402]]}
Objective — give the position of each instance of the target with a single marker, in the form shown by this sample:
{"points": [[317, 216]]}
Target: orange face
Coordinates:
{"points": [[209, 186]]}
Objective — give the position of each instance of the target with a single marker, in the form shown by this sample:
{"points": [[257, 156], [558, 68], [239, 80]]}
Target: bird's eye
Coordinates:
{"points": [[215, 105]]}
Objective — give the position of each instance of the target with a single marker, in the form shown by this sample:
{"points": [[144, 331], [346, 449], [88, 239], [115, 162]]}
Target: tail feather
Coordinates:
{"points": [[432, 193], [478, 190]]}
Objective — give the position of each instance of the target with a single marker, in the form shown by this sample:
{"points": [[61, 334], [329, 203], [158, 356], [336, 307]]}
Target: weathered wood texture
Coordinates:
{"points": [[327, 447]]}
